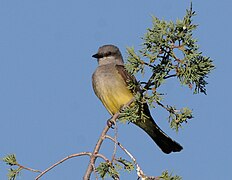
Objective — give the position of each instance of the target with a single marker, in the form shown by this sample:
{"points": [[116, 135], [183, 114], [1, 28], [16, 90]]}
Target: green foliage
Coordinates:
{"points": [[127, 165], [169, 50], [112, 169], [131, 113], [11, 161], [13, 173], [135, 63], [177, 117], [134, 112], [107, 168], [166, 176]]}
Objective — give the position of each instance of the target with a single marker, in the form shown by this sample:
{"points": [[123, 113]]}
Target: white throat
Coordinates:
{"points": [[109, 60]]}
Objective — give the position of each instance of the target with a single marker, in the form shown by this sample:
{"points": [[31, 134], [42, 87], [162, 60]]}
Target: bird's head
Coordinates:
{"points": [[108, 54]]}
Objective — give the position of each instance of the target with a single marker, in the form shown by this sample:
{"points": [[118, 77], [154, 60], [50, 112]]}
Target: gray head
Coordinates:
{"points": [[108, 54]]}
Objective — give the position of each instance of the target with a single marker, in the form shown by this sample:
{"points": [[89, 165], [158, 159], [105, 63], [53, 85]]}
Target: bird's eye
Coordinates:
{"points": [[108, 53]]}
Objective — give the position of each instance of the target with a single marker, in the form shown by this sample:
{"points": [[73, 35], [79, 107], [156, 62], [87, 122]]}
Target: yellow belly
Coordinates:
{"points": [[110, 88], [114, 100]]}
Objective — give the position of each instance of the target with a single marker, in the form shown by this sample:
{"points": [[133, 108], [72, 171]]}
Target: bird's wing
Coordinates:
{"points": [[128, 78], [149, 126]]}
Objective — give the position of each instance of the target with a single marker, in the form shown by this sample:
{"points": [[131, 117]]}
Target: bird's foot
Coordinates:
{"points": [[110, 123]]}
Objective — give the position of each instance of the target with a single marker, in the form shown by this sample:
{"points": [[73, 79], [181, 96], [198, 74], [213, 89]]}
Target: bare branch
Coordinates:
{"points": [[61, 161], [115, 144], [27, 168], [149, 83], [138, 169], [95, 172], [103, 157], [173, 75], [148, 64], [93, 157], [97, 147]]}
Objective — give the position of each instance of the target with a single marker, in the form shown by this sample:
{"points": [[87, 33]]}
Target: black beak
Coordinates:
{"points": [[97, 56]]}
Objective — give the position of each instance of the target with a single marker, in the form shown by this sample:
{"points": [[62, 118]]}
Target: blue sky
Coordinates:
{"points": [[47, 106]]}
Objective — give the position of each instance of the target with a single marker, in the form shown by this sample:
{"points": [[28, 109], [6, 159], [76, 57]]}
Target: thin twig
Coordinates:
{"points": [[115, 144], [103, 157], [97, 147], [148, 64], [149, 83], [95, 172], [177, 47], [27, 168], [138, 169], [163, 106], [61, 161], [169, 76]]}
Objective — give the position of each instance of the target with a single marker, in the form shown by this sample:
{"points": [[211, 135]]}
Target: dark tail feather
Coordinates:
{"points": [[166, 144]]}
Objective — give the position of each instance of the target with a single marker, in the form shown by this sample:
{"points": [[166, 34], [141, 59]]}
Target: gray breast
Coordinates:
{"points": [[105, 78]]}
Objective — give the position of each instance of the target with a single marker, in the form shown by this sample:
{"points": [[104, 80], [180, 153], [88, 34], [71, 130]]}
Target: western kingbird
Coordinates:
{"points": [[110, 84]]}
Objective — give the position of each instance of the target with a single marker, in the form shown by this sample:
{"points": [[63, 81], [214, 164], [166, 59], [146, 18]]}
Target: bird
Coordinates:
{"points": [[110, 84]]}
